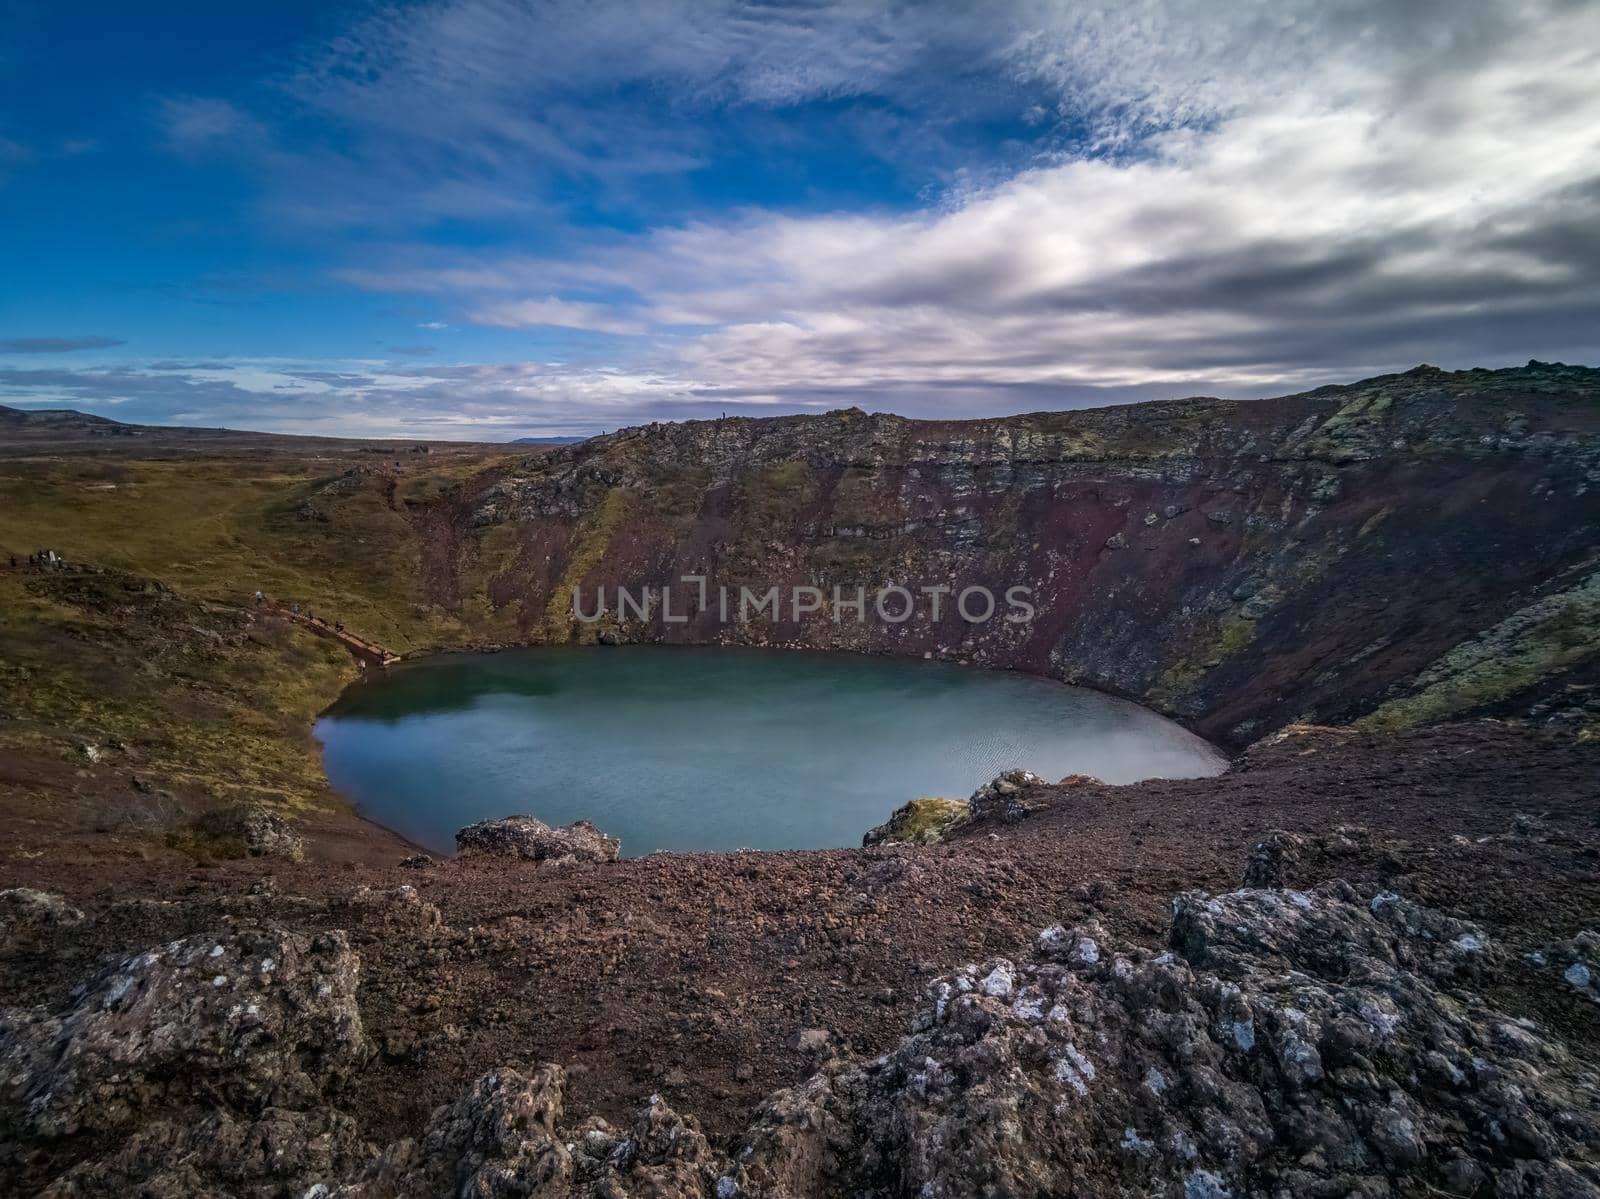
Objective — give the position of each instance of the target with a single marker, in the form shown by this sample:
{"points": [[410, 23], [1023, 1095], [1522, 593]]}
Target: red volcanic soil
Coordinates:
{"points": [[689, 974]]}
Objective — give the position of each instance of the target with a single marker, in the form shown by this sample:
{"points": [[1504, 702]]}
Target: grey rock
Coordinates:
{"points": [[919, 822], [1273, 859], [810, 1040], [250, 1017], [1576, 962], [504, 1139], [251, 830], [280, 1152], [1001, 797], [30, 920], [1285, 1043], [535, 841]]}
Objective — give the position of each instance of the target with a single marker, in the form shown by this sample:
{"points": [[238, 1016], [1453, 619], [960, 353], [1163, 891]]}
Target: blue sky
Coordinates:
{"points": [[480, 218]]}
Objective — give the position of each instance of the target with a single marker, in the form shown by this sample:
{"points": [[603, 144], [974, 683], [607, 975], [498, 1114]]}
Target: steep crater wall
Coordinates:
{"points": [[1236, 565]]}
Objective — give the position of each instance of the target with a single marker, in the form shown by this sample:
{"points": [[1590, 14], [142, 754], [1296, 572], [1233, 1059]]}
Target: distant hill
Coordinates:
{"points": [[25, 431], [54, 418], [547, 440]]}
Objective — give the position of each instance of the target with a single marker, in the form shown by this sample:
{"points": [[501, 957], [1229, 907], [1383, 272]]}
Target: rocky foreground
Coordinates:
{"points": [[1323, 1042], [1327, 1029]]}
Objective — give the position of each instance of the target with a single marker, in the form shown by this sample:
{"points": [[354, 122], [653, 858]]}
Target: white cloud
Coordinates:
{"points": [[556, 313], [1241, 198], [360, 398], [1331, 217], [196, 124]]}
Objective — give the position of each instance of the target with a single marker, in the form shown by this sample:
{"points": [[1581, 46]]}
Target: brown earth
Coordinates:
{"points": [[691, 974]]}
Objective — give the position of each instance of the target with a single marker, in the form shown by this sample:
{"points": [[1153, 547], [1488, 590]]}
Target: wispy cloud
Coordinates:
{"points": [[55, 345], [197, 124], [364, 398], [558, 313], [1307, 200], [1181, 196]]}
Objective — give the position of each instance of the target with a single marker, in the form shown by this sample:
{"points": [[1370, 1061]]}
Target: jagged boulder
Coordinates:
{"points": [[249, 1018], [1273, 859], [399, 908], [1285, 1043], [1575, 961], [280, 1152], [30, 919], [920, 822], [503, 1139], [249, 830], [1001, 797], [535, 841]]}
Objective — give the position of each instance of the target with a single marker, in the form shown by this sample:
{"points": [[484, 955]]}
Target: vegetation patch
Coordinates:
{"points": [[1552, 634], [921, 822], [590, 543]]}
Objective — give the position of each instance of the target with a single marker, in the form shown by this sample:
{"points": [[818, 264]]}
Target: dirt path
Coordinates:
{"points": [[368, 653]]}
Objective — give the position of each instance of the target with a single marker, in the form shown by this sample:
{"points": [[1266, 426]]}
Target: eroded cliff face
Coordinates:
{"points": [[1238, 565]]}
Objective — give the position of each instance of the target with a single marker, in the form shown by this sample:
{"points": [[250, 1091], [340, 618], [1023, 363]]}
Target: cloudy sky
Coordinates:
{"points": [[488, 218]]}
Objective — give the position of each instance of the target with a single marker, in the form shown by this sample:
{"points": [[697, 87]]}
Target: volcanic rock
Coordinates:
{"points": [[1273, 859], [252, 1017], [251, 830], [535, 841], [503, 1139], [29, 919], [1288, 1042], [920, 822], [1001, 797]]}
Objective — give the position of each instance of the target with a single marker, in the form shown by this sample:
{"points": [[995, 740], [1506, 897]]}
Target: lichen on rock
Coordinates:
{"points": [[1286, 1042], [243, 830], [535, 841], [30, 919], [251, 1017], [504, 1138], [920, 822], [1001, 797]]}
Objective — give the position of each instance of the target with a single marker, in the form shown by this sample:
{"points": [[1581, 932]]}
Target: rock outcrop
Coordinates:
{"points": [[250, 1018], [249, 830], [1283, 1042], [1286, 1043], [920, 822], [1237, 565], [535, 841], [1001, 798], [927, 821], [1576, 962], [504, 1138], [29, 919]]}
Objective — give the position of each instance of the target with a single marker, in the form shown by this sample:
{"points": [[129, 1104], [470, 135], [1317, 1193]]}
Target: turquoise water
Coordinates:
{"points": [[691, 748]]}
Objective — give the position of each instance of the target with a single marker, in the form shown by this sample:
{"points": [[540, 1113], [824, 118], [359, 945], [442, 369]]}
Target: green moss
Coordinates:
{"points": [[590, 543], [1231, 634], [1549, 635], [1237, 632], [770, 495], [923, 821]]}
